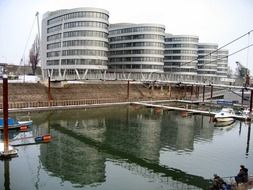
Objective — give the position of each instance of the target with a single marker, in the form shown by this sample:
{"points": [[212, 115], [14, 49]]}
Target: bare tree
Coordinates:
{"points": [[34, 54]]}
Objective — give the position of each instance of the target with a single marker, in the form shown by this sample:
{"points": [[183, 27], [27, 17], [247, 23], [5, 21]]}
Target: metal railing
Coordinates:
{"points": [[55, 103], [144, 77]]}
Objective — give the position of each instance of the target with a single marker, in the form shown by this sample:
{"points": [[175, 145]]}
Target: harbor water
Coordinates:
{"points": [[127, 148]]}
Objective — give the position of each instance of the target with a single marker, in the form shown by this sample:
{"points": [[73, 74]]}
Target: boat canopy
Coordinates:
{"points": [[11, 121]]}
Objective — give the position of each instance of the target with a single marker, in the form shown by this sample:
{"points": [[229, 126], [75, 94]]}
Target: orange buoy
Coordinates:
{"points": [[23, 128], [46, 137]]}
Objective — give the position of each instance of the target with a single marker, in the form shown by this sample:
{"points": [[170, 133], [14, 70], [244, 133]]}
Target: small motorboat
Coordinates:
{"points": [[15, 124], [225, 115]]}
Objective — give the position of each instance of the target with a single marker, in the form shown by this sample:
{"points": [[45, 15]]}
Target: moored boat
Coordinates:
{"points": [[225, 115], [224, 124], [15, 124]]}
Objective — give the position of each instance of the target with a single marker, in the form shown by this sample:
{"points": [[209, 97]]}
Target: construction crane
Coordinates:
{"points": [[243, 72], [22, 60]]}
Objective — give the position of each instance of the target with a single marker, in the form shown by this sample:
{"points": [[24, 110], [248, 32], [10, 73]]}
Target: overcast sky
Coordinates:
{"points": [[215, 21]]}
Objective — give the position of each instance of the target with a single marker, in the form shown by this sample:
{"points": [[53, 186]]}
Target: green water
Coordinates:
{"points": [[125, 148]]}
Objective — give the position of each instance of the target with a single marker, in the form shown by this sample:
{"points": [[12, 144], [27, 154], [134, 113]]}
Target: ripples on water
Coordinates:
{"points": [[127, 148]]}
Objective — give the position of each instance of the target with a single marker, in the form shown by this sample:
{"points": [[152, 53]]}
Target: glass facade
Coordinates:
{"points": [[81, 39], [207, 59], [222, 63], [76, 38], [136, 48], [180, 55], [80, 14]]}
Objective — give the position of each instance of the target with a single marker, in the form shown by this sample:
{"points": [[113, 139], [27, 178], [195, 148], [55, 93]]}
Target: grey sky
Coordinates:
{"points": [[216, 21]]}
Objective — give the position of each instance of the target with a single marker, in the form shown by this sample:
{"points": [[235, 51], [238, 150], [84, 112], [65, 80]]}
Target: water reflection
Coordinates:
{"points": [[179, 133], [75, 153], [155, 144], [248, 139], [72, 160], [6, 174]]}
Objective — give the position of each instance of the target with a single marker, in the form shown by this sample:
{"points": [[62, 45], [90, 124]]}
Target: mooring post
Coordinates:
{"points": [[251, 97], [170, 91], [204, 87], [5, 112], [49, 90], [184, 91], [152, 89], [191, 91], [248, 138], [242, 96], [197, 92], [7, 174], [128, 86]]}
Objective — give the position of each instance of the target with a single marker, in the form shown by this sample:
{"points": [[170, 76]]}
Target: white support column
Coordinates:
{"points": [[124, 75], [64, 73], [78, 76], [104, 78], [51, 73], [142, 76], [149, 77], [48, 72], [129, 75], [85, 73]]}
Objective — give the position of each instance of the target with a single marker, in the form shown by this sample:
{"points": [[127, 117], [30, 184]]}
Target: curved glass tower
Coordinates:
{"points": [[74, 42], [181, 52], [136, 48], [222, 63], [207, 59]]}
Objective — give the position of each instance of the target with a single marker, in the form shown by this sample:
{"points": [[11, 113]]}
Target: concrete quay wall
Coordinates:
{"points": [[24, 92], [37, 96]]}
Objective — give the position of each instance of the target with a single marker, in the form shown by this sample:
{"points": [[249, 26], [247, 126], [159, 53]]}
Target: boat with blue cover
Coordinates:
{"points": [[15, 124]]}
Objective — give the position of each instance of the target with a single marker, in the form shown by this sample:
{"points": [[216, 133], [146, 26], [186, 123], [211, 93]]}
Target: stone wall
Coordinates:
{"points": [[21, 92]]}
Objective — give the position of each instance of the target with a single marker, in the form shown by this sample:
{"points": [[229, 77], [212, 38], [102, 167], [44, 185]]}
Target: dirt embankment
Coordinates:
{"points": [[21, 92]]}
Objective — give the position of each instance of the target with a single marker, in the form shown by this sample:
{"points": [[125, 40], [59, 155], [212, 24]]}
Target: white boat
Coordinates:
{"points": [[225, 115], [223, 124]]}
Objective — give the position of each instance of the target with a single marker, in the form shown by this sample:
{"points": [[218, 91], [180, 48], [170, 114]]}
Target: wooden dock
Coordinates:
{"points": [[194, 111]]}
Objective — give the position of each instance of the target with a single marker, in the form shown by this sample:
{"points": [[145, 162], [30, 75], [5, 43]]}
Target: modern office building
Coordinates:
{"points": [[207, 59], [222, 63], [74, 42], [181, 52], [136, 48]]}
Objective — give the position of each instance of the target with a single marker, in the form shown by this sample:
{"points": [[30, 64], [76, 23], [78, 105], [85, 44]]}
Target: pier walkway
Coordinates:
{"points": [[194, 111]]}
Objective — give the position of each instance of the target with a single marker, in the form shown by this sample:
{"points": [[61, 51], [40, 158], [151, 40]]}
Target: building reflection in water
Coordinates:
{"points": [[140, 136], [72, 160], [141, 133], [179, 133]]}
